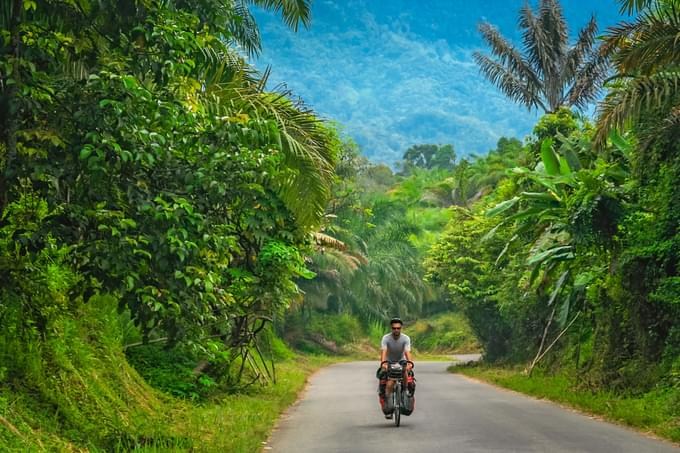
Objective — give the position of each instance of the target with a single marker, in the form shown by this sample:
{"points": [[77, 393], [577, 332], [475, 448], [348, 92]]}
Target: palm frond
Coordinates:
{"points": [[508, 56], [547, 74], [555, 30], [534, 39], [651, 42], [325, 240], [508, 83], [631, 6], [632, 97], [244, 30], [580, 51], [588, 82], [294, 12]]}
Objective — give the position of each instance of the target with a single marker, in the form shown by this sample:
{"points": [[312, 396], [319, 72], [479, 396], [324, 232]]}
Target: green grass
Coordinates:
{"points": [[657, 411], [75, 390], [240, 423], [236, 423], [443, 334]]}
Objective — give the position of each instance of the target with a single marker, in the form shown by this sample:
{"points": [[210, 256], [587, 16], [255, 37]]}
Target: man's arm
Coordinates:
{"points": [[407, 354], [383, 352]]}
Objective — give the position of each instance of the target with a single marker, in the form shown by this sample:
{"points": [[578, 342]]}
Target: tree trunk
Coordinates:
{"points": [[539, 357], [540, 348]]}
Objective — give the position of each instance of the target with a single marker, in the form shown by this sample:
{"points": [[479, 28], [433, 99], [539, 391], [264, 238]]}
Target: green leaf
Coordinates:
{"points": [[571, 157], [525, 214], [565, 169], [621, 143], [550, 160], [502, 207], [558, 287], [542, 256], [86, 151], [563, 315], [545, 181], [542, 196], [129, 82], [505, 250], [306, 273], [491, 232]]}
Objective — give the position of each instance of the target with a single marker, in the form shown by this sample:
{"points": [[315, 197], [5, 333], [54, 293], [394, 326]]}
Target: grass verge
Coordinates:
{"points": [[657, 411], [242, 422]]}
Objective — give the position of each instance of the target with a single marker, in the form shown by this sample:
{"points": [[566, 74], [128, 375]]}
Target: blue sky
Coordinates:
{"points": [[395, 73]]}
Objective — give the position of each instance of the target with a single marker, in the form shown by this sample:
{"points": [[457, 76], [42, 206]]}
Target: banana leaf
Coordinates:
{"points": [[551, 161], [502, 207], [558, 287], [552, 252], [544, 196]]}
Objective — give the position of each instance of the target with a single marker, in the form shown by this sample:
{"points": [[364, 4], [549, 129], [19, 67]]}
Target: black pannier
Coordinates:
{"points": [[408, 403]]}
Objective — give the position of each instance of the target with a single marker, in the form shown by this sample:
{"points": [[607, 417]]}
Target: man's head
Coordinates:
{"points": [[396, 324]]}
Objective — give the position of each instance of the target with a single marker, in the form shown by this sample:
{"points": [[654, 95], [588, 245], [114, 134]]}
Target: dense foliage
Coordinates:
{"points": [[156, 199], [140, 157], [574, 256], [379, 226]]}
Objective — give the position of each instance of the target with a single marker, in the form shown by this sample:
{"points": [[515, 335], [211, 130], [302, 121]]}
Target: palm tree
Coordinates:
{"points": [[244, 30], [550, 73], [646, 57]]}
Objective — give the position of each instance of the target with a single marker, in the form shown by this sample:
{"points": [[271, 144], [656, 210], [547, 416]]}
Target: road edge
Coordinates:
{"points": [[573, 409]]}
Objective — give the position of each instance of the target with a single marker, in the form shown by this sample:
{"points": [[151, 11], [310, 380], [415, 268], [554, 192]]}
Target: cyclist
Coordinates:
{"points": [[395, 346]]}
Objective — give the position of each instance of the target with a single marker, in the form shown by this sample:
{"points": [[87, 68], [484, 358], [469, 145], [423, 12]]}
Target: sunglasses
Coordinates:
{"points": [[396, 328]]}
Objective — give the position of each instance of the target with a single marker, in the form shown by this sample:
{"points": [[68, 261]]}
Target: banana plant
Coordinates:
{"points": [[567, 202], [566, 205], [542, 212]]}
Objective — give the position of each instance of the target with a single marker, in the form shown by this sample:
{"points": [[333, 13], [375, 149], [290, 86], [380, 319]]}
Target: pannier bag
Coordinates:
{"points": [[408, 403], [411, 382], [408, 397]]}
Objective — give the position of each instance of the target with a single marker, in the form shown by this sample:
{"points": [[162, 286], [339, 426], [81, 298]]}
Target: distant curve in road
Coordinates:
{"points": [[339, 413]]}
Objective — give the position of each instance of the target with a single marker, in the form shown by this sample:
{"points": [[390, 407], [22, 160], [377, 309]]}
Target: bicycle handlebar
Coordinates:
{"points": [[400, 362]]}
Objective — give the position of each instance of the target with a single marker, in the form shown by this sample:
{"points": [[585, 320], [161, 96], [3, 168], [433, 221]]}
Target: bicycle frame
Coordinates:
{"points": [[397, 386]]}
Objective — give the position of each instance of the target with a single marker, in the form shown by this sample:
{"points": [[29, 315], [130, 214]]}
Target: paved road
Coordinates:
{"points": [[339, 413]]}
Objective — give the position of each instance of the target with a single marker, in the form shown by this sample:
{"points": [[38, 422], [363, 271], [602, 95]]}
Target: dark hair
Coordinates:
{"points": [[396, 320]]}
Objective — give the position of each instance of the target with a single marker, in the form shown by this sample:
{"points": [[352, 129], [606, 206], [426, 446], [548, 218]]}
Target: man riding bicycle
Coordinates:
{"points": [[395, 347]]}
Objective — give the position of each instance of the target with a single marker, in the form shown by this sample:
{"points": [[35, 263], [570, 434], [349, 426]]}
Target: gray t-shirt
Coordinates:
{"points": [[396, 348]]}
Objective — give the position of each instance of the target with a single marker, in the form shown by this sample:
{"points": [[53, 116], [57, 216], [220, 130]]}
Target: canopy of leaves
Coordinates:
{"points": [[140, 154], [429, 157]]}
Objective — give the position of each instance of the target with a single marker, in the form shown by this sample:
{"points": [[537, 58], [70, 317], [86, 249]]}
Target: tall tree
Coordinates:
{"points": [[430, 156], [549, 73]]}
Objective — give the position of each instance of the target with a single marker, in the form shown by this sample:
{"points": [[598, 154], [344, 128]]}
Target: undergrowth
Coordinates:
{"points": [[74, 390]]}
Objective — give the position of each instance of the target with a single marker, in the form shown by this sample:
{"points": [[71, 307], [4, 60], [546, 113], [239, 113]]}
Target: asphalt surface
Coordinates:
{"points": [[339, 412]]}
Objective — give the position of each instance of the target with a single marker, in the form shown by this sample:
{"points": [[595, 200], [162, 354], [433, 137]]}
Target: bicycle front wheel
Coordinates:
{"points": [[397, 405]]}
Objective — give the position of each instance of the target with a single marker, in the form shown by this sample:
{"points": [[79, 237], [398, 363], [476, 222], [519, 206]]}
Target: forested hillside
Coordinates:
{"points": [[173, 231]]}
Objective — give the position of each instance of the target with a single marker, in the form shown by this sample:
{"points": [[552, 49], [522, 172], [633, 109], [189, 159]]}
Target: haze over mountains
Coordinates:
{"points": [[397, 73]]}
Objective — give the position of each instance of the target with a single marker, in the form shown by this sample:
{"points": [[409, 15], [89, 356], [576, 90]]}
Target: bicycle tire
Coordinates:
{"points": [[397, 405]]}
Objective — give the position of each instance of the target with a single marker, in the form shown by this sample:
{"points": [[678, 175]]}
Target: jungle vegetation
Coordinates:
{"points": [[573, 258], [166, 219]]}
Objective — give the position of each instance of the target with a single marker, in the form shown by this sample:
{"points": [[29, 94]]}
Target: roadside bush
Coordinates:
{"points": [[448, 332]]}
